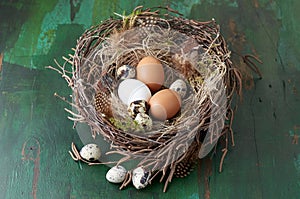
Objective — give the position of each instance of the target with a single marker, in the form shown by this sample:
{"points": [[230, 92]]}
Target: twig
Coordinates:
{"points": [[222, 159]]}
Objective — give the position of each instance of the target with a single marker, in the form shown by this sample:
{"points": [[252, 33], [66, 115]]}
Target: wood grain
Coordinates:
{"points": [[36, 134]]}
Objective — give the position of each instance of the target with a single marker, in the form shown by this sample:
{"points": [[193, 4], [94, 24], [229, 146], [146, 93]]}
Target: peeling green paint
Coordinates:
{"points": [[60, 15], [84, 16], [38, 34], [194, 196], [29, 109], [103, 10], [292, 133], [26, 45], [289, 43], [45, 41], [185, 6], [297, 164], [230, 3]]}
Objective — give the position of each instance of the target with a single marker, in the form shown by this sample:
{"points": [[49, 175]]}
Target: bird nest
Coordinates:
{"points": [[192, 51]]}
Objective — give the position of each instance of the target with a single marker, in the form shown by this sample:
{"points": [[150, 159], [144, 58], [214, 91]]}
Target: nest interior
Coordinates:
{"points": [[188, 49]]}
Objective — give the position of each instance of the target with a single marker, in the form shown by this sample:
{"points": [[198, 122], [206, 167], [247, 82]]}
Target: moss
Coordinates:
{"points": [[126, 125]]}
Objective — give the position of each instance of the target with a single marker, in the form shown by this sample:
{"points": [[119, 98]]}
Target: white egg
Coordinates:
{"points": [[116, 174], [131, 90], [140, 178], [126, 72], [144, 121], [90, 152], [140, 93], [180, 87]]}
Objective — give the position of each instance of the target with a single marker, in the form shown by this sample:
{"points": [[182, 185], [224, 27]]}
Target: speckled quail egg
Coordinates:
{"points": [[90, 152], [139, 106], [140, 178], [116, 174], [144, 121], [126, 72], [180, 87]]}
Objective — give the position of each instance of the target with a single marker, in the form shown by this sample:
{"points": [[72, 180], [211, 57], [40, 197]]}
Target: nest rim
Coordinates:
{"points": [[101, 124]]}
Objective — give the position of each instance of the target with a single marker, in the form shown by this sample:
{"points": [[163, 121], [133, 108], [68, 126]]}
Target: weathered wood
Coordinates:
{"points": [[35, 134]]}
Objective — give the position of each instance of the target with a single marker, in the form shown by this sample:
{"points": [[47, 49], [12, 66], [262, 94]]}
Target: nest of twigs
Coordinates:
{"points": [[190, 50]]}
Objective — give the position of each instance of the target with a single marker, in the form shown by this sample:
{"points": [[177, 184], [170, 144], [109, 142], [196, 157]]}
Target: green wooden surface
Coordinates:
{"points": [[35, 133]]}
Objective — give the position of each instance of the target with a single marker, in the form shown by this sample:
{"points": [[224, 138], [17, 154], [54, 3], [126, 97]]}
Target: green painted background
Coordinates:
{"points": [[35, 133]]}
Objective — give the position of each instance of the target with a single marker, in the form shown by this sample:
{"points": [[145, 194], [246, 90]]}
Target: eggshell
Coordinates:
{"points": [[90, 152], [144, 121], [131, 90], [164, 104], [140, 178], [139, 106], [140, 93], [150, 71], [126, 72], [180, 87], [116, 174]]}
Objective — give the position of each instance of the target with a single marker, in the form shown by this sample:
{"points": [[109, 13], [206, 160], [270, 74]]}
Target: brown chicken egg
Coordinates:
{"points": [[150, 71], [164, 104]]}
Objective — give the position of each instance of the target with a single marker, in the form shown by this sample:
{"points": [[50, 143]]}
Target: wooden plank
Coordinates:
{"points": [[1, 60], [265, 162]]}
